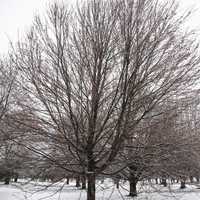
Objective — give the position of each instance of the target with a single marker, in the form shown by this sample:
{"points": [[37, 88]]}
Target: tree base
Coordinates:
{"points": [[132, 195]]}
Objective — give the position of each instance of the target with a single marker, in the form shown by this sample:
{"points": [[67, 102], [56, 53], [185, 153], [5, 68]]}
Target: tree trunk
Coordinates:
{"points": [[164, 182], [78, 181], [7, 180], [117, 183], [182, 184], [16, 175], [172, 180], [67, 181], [15, 179], [91, 176], [132, 182], [83, 181], [156, 180], [191, 179], [91, 186], [133, 188]]}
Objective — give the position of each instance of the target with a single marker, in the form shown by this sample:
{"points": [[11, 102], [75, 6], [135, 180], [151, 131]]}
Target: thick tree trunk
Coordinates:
{"points": [[133, 188], [91, 177], [156, 180], [191, 179], [78, 181], [91, 186], [132, 182]]}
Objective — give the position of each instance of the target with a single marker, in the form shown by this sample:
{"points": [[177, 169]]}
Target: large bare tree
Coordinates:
{"points": [[92, 75]]}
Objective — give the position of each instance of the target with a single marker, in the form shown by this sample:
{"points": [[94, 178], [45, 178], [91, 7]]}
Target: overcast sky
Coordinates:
{"points": [[17, 15]]}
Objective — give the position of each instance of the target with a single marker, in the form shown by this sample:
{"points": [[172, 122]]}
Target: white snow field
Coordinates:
{"points": [[106, 191]]}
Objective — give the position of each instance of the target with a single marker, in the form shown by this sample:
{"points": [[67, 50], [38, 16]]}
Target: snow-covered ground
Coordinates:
{"points": [[60, 191]]}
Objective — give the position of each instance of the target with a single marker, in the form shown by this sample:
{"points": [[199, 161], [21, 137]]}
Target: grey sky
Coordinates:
{"points": [[17, 15]]}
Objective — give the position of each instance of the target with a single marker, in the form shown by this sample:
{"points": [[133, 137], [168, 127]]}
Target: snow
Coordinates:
{"points": [[60, 191]]}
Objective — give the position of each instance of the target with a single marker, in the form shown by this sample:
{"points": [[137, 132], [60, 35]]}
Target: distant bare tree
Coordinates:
{"points": [[7, 103], [7, 79]]}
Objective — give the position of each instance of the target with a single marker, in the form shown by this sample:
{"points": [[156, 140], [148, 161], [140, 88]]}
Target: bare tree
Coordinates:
{"points": [[7, 103], [7, 79], [91, 76]]}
